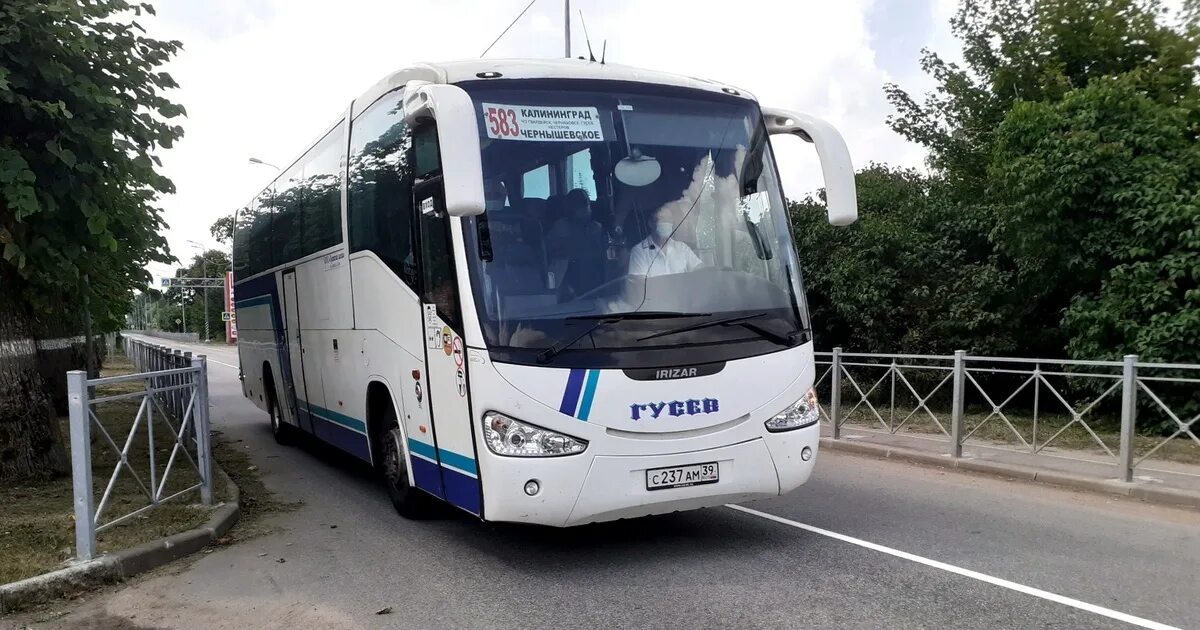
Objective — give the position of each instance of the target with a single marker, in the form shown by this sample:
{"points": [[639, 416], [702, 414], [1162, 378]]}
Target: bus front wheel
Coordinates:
{"points": [[408, 501]]}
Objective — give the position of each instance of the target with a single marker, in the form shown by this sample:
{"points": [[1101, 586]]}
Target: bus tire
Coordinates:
{"points": [[280, 430], [409, 501]]}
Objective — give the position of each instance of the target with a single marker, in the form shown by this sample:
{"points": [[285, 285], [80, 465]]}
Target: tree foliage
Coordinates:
{"points": [[82, 112], [222, 229], [1099, 197], [1060, 214], [81, 97], [898, 279]]}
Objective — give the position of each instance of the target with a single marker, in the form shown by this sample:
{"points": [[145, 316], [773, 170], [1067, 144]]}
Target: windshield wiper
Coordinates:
{"points": [[549, 353], [788, 339], [639, 315]]}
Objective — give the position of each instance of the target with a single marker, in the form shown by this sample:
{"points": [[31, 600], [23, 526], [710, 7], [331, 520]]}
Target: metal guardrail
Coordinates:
{"points": [[174, 397], [1003, 387]]}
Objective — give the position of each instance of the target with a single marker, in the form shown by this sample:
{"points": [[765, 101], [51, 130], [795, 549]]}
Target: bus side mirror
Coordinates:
{"points": [[457, 141], [840, 196]]}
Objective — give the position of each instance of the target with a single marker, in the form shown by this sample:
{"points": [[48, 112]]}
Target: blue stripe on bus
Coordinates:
{"points": [[254, 301], [423, 449], [589, 392], [461, 462], [446, 457], [330, 415], [352, 442], [427, 477], [570, 398], [462, 491]]}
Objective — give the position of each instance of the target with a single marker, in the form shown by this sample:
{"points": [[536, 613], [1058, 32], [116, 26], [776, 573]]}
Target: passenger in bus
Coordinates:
{"points": [[575, 246]]}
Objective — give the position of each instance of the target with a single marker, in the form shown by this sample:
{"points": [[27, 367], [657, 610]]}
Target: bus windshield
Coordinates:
{"points": [[629, 225]]}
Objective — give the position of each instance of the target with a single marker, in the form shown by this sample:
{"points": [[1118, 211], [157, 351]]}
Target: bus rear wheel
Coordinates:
{"points": [[279, 429], [408, 501]]}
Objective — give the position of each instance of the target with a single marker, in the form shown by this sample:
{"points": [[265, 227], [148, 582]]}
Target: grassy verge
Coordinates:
{"points": [[994, 430], [37, 531]]}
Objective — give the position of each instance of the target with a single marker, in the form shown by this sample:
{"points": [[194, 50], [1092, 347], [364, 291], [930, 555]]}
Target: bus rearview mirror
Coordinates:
{"points": [[457, 142], [836, 167]]}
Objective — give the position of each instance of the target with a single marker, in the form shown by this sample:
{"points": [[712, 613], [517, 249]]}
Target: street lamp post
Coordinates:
{"points": [[204, 293], [255, 160]]}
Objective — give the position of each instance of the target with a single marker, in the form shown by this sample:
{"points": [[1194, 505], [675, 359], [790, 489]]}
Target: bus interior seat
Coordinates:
{"points": [[518, 267]]}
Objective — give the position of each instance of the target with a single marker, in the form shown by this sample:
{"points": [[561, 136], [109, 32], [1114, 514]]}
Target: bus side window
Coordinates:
{"points": [[380, 186], [440, 281]]}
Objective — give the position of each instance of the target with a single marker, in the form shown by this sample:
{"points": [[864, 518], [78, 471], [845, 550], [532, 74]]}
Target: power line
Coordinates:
{"points": [[485, 51]]}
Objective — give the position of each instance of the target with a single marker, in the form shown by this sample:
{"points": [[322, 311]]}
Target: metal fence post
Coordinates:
{"points": [[81, 465], [956, 409], [190, 378], [203, 434], [1128, 417], [835, 393]]}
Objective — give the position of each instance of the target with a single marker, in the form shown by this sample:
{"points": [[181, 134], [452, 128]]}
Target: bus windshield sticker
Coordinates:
{"points": [[431, 315], [542, 124], [433, 336]]}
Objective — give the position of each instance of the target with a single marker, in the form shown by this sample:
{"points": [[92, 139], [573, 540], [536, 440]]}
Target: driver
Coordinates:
{"points": [[658, 254]]}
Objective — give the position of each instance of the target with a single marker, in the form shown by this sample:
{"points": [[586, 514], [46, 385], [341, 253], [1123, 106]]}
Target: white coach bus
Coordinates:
{"points": [[543, 291]]}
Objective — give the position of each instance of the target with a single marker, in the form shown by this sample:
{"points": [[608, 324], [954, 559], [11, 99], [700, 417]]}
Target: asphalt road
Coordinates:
{"points": [[865, 544]]}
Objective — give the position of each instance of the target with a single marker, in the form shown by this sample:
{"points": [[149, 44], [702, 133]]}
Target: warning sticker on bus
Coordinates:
{"points": [[542, 124]]}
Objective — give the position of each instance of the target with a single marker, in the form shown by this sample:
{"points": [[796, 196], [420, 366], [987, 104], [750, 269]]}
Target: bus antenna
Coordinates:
{"points": [[509, 27], [586, 37], [603, 51]]}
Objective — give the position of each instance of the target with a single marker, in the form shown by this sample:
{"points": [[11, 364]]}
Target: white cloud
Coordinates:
{"points": [[263, 77]]}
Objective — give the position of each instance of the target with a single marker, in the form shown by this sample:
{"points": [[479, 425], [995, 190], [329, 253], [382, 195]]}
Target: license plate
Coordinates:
{"points": [[680, 476]]}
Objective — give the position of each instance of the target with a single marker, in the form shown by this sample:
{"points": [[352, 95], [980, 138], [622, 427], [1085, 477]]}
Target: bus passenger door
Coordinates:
{"points": [[445, 367], [295, 385]]}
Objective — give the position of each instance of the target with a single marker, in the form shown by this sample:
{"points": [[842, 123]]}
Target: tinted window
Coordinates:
{"points": [[299, 214], [380, 186], [287, 225], [321, 199], [426, 149], [441, 282], [258, 226]]}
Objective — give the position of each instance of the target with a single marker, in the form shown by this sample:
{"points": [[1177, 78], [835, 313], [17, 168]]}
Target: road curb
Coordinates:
{"points": [[1143, 492], [124, 564]]}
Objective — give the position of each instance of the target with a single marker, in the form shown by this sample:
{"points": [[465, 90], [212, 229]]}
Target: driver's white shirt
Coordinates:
{"points": [[648, 259]]}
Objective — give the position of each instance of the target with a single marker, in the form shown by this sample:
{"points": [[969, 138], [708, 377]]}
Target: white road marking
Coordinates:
{"points": [[194, 349], [975, 575], [212, 360]]}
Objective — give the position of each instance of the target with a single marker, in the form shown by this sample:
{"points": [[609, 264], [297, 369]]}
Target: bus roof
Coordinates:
{"points": [[458, 71]]}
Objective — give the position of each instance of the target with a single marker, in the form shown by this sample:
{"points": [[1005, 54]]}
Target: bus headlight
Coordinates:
{"points": [[804, 413], [509, 436]]}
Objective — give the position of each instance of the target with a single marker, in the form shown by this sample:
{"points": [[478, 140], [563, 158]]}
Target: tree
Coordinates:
{"points": [[1100, 197], [1022, 101], [222, 229], [898, 280], [81, 97]]}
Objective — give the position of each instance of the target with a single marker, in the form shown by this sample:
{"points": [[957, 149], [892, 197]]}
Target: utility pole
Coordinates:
{"points": [[182, 311], [204, 272], [567, 26]]}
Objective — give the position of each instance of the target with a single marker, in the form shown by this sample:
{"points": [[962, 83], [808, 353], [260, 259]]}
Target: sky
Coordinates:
{"points": [[262, 78]]}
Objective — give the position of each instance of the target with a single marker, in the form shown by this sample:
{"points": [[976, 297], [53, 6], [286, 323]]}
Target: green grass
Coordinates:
{"points": [[37, 531]]}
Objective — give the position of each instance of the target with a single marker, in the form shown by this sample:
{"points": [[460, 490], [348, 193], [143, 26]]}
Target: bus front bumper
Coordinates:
{"points": [[584, 488]]}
